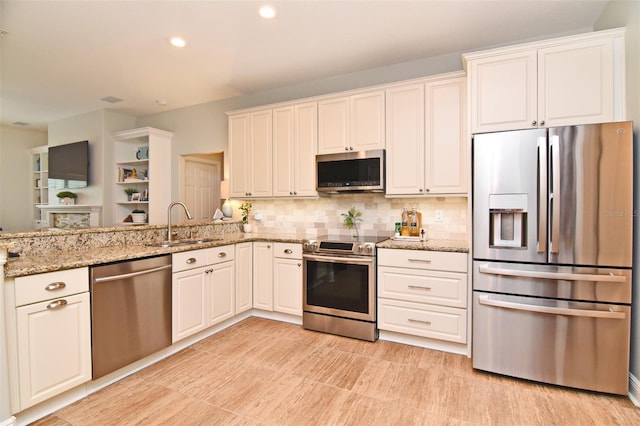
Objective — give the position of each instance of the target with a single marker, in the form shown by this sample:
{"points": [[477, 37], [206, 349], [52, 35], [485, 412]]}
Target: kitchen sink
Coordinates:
{"points": [[176, 243]]}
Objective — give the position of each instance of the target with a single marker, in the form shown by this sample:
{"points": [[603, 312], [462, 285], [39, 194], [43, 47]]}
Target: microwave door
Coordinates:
{"points": [[510, 196]]}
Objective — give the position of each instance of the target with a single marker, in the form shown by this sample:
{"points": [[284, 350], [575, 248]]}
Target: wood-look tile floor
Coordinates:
{"points": [[263, 372]]}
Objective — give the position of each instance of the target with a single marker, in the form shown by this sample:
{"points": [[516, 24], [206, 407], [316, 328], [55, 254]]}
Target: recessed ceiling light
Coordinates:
{"points": [[111, 99], [161, 102], [20, 123], [267, 12], [177, 41]]}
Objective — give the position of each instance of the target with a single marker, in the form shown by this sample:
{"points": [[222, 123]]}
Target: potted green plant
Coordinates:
{"points": [[138, 216], [246, 208], [351, 219], [130, 191], [67, 198]]}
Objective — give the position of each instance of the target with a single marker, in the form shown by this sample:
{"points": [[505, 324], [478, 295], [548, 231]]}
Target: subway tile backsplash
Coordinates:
{"points": [[323, 216]]}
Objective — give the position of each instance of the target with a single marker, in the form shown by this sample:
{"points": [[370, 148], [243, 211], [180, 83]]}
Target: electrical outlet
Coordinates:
{"points": [[439, 216]]}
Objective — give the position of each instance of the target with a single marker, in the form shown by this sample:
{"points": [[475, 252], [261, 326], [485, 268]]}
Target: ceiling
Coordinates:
{"points": [[59, 58]]}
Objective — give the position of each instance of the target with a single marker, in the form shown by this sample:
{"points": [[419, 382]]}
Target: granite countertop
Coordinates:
{"points": [[56, 260], [456, 246]]}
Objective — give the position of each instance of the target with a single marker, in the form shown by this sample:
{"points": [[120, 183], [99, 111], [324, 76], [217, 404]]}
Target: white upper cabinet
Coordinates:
{"points": [[571, 80], [295, 139], [426, 137], [250, 149], [351, 123]]}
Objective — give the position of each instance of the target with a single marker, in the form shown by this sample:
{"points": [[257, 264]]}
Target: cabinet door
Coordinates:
{"points": [[445, 137], [333, 125], [405, 140], [367, 121], [261, 154], [287, 286], [283, 151], [188, 303], [575, 83], [240, 173], [54, 347], [263, 276], [220, 292], [306, 143], [244, 277], [504, 92]]}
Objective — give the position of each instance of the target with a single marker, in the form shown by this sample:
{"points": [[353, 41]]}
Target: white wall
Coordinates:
{"points": [[16, 178], [627, 14]]}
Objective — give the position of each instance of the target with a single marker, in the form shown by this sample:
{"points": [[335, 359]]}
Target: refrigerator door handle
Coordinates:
{"points": [[542, 195], [566, 276], [611, 314], [554, 197]]}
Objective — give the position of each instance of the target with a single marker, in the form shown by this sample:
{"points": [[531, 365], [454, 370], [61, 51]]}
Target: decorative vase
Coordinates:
{"points": [[227, 210], [247, 227], [67, 201], [139, 217]]}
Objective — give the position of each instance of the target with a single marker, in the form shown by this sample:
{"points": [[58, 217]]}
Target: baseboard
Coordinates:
{"points": [[634, 390]]}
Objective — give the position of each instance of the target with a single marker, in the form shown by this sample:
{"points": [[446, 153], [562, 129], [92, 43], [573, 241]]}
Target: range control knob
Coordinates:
{"points": [[368, 248]]}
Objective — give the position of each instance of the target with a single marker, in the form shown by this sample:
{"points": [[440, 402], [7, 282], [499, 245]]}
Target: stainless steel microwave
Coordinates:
{"points": [[360, 171]]}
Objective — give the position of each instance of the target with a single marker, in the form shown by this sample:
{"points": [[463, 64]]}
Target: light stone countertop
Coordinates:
{"points": [[56, 260]]}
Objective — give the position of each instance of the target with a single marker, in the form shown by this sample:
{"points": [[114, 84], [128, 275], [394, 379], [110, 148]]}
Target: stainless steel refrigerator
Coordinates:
{"points": [[552, 249]]}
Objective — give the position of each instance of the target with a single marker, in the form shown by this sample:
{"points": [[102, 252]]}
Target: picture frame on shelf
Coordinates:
{"points": [[135, 196]]}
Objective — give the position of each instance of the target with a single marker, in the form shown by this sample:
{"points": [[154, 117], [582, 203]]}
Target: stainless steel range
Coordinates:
{"points": [[339, 294]]}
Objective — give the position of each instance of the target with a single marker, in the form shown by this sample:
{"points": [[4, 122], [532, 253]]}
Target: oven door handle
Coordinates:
{"points": [[485, 269], [485, 300], [339, 259]]}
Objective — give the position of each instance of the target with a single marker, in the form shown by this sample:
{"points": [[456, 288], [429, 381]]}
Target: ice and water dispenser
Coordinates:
{"points": [[508, 220]]}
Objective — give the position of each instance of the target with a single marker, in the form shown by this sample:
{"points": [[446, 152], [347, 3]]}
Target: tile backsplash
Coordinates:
{"points": [[323, 216]]}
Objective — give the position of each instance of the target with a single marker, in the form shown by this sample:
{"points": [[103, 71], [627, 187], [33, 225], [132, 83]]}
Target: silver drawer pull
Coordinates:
{"points": [[420, 260], [57, 304], [222, 254], [419, 287], [420, 321], [288, 251], [191, 260], [59, 285]]}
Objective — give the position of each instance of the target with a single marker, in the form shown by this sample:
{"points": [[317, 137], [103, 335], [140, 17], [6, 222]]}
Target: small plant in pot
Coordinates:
{"points": [[138, 216], [130, 191], [246, 208], [67, 198], [350, 220]]}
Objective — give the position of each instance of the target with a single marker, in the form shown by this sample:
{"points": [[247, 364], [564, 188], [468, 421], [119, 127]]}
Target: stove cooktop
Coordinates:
{"points": [[363, 246]]}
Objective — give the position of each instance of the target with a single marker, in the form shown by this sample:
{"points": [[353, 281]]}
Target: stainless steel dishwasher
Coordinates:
{"points": [[130, 311]]}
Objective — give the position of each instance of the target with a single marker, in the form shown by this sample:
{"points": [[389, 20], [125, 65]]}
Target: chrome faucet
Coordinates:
{"points": [[186, 210]]}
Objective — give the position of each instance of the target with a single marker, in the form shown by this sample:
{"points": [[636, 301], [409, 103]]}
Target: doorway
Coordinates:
{"points": [[200, 188]]}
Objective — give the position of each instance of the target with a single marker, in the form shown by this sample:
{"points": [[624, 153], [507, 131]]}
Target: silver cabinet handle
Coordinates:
{"points": [[534, 122], [420, 260], [299, 264], [268, 246], [288, 251], [485, 300], [419, 287], [57, 304], [190, 260], [58, 285], [542, 123], [222, 254], [419, 321]]}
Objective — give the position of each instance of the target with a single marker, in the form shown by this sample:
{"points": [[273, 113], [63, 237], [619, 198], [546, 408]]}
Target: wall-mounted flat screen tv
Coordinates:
{"points": [[69, 165]]}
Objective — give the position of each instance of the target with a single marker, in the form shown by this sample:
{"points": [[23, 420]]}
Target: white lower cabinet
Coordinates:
{"points": [[277, 277], [244, 277], [50, 351], [423, 293], [287, 278], [203, 289]]}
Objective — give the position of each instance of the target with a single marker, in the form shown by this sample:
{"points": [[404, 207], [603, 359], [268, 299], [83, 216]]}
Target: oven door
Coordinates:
{"points": [[339, 285]]}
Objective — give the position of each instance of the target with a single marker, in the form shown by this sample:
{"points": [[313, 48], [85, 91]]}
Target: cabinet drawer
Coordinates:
{"points": [[288, 250], [189, 260], [415, 285], [51, 285], [220, 254], [423, 259], [435, 322]]}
